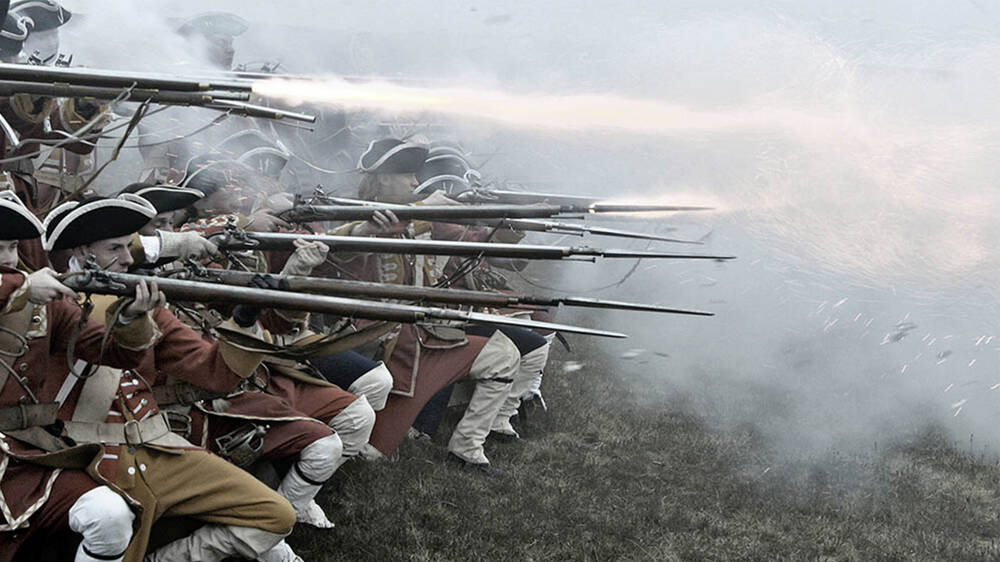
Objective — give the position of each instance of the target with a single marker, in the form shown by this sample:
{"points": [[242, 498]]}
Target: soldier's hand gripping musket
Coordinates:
{"points": [[369, 289], [123, 284]]}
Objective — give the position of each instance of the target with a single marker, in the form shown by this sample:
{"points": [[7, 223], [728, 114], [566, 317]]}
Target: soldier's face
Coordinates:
{"points": [[45, 42], [221, 51], [111, 254], [162, 221], [8, 253], [397, 188]]}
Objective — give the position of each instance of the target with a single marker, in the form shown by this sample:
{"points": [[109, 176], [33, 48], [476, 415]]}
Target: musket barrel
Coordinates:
{"points": [[123, 284], [254, 110], [285, 241], [369, 289], [348, 287], [522, 224], [309, 213], [119, 79], [617, 208], [523, 197], [61, 89]]}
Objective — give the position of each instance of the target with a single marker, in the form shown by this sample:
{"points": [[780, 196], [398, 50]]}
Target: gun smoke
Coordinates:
{"points": [[850, 147]]}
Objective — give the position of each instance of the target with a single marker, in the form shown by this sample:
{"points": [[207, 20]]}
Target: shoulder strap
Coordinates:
{"points": [[97, 395]]}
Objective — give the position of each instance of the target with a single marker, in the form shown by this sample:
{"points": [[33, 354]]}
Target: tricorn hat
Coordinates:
{"points": [[440, 148], [253, 148], [445, 172], [208, 172], [40, 15], [75, 224], [16, 221], [13, 32], [165, 198], [214, 23], [392, 156]]}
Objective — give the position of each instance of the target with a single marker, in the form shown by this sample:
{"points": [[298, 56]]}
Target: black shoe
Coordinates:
{"points": [[484, 467], [501, 437], [529, 408]]}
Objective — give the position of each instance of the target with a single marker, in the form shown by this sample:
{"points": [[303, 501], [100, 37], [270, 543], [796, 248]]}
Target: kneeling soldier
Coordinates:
{"points": [[167, 475], [45, 482]]}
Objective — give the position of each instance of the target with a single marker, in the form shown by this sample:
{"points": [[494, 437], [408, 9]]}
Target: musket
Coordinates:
{"points": [[224, 94], [313, 213], [368, 289], [100, 282], [560, 227], [237, 240], [523, 225], [485, 195]]}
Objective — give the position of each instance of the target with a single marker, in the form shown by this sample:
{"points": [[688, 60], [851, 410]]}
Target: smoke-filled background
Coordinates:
{"points": [[849, 147]]}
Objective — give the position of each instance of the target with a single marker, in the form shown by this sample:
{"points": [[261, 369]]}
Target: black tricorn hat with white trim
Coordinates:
{"points": [[392, 156], [75, 224], [214, 23], [41, 15], [253, 148], [445, 172], [13, 32], [165, 198], [209, 172], [16, 221], [440, 148]]}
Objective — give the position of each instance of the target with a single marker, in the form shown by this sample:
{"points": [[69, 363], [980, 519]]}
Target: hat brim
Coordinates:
{"points": [[166, 199], [95, 221], [401, 159], [44, 16], [17, 222], [215, 23], [429, 183]]}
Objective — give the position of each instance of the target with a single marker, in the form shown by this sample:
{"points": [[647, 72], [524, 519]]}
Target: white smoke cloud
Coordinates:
{"points": [[851, 147]]}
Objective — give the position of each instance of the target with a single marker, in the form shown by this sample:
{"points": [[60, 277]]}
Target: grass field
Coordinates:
{"points": [[654, 482]]}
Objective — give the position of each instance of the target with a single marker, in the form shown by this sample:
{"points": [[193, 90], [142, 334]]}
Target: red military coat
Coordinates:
{"points": [[42, 365]]}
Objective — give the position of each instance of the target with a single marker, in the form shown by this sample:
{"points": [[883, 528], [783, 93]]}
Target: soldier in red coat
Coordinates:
{"points": [[352, 411], [165, 473], [446, 170], [46, 484], [424, 359]]}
